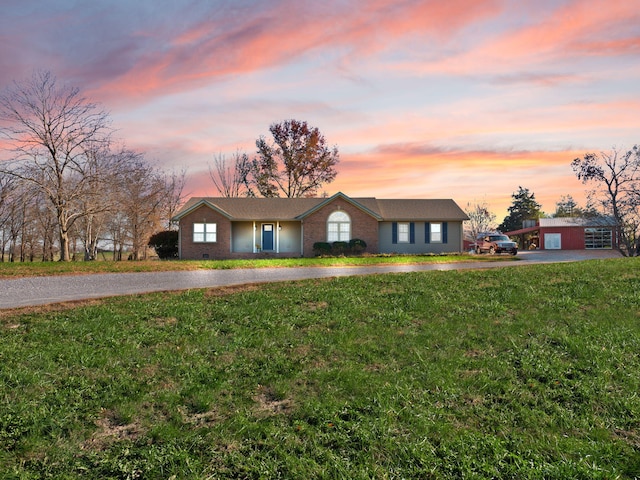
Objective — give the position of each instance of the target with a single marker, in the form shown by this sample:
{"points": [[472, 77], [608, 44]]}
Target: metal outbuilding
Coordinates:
{"points": [[569, 233]]}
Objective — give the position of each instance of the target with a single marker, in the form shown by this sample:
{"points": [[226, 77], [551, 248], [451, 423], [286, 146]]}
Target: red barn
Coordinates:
{"points": [[569, 233]]}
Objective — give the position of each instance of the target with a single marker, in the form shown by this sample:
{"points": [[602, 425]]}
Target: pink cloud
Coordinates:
{"points": [[412, 171], [224, 45], [576, 30]]}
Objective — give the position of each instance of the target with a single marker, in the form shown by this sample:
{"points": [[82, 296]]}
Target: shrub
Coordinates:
{"points": [[339, 248], [165, 244], [321, 248], [357, 246]]}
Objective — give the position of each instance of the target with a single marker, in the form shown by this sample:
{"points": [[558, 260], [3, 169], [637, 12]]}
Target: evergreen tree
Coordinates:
{"points": [[524, 207]]}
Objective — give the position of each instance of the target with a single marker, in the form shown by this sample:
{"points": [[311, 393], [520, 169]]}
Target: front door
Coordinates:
{"points": [[267, 236]]}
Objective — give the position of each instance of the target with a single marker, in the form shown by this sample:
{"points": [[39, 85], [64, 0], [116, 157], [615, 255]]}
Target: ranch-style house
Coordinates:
{"points": [[226, 228]]}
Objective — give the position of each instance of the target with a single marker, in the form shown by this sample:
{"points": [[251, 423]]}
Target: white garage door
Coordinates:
{"points": [[552, 241]]}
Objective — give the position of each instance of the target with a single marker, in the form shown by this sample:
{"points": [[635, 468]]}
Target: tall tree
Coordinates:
{"points": [[228, 175], [616, 179], [53, 129], [567, 207], [295, 164], [7, 188], [523, 207], [142, 200], [481, 219], [174, 197]]}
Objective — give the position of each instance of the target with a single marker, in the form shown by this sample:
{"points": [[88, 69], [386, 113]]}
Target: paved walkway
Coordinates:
{"points": [[32, 291]]}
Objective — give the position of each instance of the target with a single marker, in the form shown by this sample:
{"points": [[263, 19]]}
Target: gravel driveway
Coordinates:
{"points": [[32, 291]]}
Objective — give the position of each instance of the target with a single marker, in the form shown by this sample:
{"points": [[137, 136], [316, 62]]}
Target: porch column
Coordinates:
{"points": [[254, 238], [278, 237]]}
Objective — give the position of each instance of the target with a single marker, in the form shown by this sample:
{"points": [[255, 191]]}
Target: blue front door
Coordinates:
{"points": [[267, 236]]}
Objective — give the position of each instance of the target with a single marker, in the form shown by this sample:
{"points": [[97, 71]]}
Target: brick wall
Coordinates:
{"points": [[197, 251], [363, 226]]}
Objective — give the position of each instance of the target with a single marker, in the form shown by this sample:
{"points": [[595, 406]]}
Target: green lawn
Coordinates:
{"points": [[530, 371]]}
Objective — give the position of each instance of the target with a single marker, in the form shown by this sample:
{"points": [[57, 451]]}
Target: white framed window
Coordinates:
{"points": [[403, 233], [338, 227], [435, 232], [205, 232]]}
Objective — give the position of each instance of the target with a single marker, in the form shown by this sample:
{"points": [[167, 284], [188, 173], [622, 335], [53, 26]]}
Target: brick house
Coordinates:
{"points": [[223, 228]]}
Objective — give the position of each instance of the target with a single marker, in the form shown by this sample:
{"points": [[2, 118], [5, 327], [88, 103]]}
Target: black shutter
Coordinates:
{"points": [[412, 233], [444, 232], [394, 232], [427, 232]]}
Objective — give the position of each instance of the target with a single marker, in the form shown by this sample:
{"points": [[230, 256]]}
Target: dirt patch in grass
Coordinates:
{"points": [[110, 430], [270, 403], [230, 290]]}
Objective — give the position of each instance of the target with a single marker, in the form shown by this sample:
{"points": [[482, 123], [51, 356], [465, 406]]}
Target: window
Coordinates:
{"points": [[204, 232], [338, 227], [597, 238], [436, 233], [403, 232]]}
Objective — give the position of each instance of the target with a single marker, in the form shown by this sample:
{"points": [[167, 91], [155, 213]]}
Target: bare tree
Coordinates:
{"points": [[53, 131], [229, 175], [296, 164], [616, 179], [174, 196], [7, 188], [481, 219], [142, 204], [46, 227], [16, 219]]}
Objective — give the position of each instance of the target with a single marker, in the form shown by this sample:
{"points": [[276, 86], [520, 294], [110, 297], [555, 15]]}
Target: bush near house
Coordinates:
{"points": [[165, 244], [354, 246], [321, 248], [340, 248], [357, 246]]}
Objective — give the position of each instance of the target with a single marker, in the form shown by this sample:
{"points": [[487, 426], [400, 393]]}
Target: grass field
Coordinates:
{"points": [[25, 269], [528, 372]]}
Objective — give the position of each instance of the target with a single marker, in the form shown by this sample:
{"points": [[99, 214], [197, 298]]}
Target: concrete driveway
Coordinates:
{"points": [[32, 291]]}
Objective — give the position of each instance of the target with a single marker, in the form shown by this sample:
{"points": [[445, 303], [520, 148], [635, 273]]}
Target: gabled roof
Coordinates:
{"points": [[358, 203], [244, 208], [420, 209]]}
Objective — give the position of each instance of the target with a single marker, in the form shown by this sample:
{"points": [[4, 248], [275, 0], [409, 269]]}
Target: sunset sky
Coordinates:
{"points": [[462, 99]]}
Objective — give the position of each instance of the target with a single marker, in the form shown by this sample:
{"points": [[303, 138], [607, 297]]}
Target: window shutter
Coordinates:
{"points": [[394, 232], [412, 233], [444, 232], [427, 232]]}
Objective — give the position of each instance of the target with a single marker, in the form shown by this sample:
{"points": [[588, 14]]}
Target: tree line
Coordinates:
{"points": [[68, 185]]}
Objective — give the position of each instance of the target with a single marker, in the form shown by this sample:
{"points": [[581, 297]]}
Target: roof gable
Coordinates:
{"points": [[341, 195], [283, 209]]}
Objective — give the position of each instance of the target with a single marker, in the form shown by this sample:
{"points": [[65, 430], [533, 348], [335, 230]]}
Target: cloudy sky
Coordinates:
{"points": [[462, 99]]}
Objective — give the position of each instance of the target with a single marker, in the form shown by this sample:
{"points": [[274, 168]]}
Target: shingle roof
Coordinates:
{"points": [[296, 208]]}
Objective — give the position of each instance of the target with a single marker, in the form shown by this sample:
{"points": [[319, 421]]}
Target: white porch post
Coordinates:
{"points": [[254, 238], [278, 236]]}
